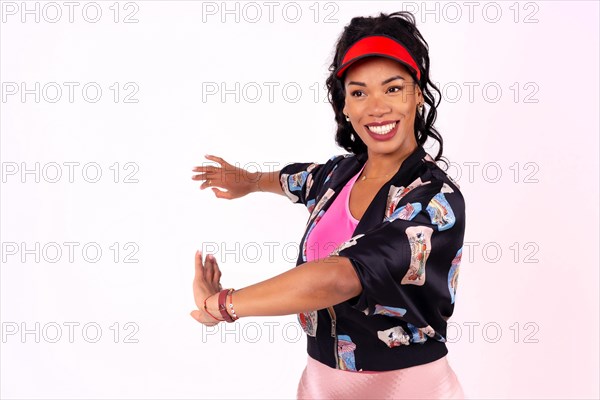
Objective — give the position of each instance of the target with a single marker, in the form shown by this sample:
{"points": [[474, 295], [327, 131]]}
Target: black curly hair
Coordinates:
{"points": [[400, 26]]}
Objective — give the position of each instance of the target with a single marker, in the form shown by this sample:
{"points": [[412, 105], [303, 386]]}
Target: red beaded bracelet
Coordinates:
{"points": [[223, 307]]}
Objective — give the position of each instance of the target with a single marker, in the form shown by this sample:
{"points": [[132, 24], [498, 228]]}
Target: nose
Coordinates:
{"points": [[377, 105]]}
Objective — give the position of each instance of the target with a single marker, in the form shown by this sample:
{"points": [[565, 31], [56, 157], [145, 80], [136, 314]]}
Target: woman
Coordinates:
{"points": [[376, 276]]}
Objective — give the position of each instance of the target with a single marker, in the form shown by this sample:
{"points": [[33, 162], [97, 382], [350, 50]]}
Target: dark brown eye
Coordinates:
{"points": [[400, 88]]}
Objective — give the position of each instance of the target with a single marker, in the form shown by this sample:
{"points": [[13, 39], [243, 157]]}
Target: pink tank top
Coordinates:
{"points": [[335, 227]]}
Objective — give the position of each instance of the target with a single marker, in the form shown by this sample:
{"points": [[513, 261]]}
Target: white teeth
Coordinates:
{"points": [[383, 129]]}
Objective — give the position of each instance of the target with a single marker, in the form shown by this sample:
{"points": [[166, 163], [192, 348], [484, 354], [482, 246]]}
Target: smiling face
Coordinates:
{"points": [[381, 101]]}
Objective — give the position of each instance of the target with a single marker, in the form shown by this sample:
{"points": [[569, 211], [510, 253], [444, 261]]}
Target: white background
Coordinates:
{"points": [[533, 308]]}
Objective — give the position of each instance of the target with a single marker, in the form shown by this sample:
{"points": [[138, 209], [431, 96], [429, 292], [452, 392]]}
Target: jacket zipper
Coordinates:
{"points": [[331, 312]]}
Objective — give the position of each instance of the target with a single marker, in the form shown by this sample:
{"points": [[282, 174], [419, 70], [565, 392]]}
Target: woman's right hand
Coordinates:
{"points": [[237, 181]]}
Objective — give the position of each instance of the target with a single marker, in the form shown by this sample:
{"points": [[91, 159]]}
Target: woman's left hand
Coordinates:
{"points": [[206, 283]]}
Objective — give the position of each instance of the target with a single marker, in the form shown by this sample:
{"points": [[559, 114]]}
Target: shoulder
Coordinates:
{"points": [[437, 174], [340, 158], [447, 200], [336, 162]]}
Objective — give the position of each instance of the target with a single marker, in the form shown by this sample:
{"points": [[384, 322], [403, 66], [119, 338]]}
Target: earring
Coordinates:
{"points": [[421, 107], [352, 137], [347, 118]]}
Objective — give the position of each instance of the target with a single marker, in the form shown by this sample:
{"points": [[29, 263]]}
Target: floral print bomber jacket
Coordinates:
{"points": [[406, 251]]}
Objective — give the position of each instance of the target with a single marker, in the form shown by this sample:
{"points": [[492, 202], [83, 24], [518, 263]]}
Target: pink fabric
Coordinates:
{"points": [[434, 380], [335, 227]]}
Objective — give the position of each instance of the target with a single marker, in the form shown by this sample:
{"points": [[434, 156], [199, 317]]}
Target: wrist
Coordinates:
{"points": [[212, 306], [255, 178], [226, 306]]}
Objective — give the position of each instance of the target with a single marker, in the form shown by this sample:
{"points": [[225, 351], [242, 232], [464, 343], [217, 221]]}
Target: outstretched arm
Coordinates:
{"points": [[311, 286]]}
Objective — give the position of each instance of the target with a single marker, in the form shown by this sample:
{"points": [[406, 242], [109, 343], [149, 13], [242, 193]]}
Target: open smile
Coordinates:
{"points": [[383, 130]]}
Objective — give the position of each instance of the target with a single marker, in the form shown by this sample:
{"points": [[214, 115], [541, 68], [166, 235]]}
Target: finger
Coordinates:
{"points": [[197, 315], [217, 277], [205, 184], [222, 194], [199, 266], [217, 159], [213, 158], [206, 168], [209, 268], [200, 177], [206, 177]]}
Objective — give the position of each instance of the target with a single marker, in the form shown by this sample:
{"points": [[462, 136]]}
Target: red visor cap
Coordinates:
{"points": [[378, 45]]}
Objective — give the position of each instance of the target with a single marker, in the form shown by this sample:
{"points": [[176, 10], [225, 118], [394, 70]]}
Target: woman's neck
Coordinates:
{"points": [[380, 166]]}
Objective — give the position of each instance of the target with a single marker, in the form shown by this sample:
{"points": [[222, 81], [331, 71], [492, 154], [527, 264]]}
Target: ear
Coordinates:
{"points": [[419, 95]]}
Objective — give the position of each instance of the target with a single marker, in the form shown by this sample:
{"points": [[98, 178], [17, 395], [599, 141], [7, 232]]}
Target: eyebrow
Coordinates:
{"points": [[388, 80]]}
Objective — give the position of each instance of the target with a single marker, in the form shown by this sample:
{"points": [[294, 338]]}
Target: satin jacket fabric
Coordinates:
{"points": [[406, 251]]}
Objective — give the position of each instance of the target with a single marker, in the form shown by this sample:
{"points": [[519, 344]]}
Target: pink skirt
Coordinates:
{"points": [[434, 380]]}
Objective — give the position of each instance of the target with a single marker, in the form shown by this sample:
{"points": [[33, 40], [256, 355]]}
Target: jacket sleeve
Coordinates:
{"points": [[297, 179], [408, 265]]}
